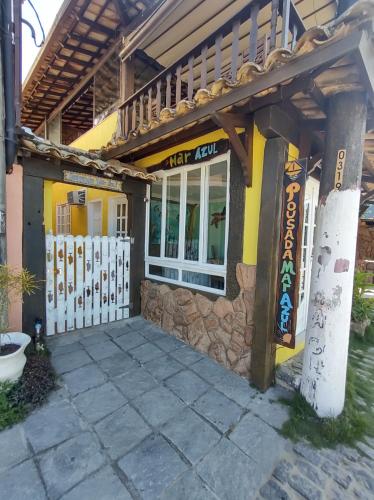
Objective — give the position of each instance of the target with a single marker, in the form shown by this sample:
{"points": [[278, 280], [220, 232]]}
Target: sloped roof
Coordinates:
{"points": [[83, 31], [42, 147]]}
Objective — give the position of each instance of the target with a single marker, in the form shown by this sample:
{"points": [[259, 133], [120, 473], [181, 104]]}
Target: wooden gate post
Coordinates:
{"points": [[263, 347], [327, 337]]}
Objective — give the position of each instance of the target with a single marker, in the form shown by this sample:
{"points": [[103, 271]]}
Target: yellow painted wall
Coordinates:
{"points": [[57, 193], [48, 206], [97, 136], [253, 201]]}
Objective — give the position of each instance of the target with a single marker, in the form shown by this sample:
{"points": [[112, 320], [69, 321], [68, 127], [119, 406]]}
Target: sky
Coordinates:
{"points": [[47, 10]]}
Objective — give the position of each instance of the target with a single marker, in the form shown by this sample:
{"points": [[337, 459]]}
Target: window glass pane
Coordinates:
{"points": [[155, 208], [172, 215], [201, 279], [118, 210], [217, 213], [165, 272], [192, 230]]}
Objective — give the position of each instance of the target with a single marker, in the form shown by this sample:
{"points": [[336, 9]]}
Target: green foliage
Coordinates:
{"points": [[9, 414], [357, 419], [13, 284], [30, 391], [349, 427], [362, 307]]}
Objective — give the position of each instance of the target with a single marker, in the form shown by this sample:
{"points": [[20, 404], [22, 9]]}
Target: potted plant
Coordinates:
{"points": [[13, 284], [362, 305]]}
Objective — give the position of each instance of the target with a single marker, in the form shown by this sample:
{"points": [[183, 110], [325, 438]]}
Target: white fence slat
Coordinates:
{"points": [[120, 272], [104, 279], [126, 284], [79, 281], [88, 288], [87, 281], [112, 278], [50, 284], [70, 283], [96, 292], [60, 291]]}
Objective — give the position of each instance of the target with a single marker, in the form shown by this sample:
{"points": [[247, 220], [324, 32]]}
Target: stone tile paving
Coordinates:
{"points": [[141, 415]]}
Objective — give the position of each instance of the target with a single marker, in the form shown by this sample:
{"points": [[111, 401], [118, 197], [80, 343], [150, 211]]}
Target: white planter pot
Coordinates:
{"points": [[11, 365]]}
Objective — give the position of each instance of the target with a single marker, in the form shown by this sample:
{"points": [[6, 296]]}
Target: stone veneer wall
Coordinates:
{"points": [[221, 328]]}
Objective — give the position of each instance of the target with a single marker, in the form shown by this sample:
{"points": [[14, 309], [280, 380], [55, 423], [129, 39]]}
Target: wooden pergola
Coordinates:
{"points": [[84, 35]]}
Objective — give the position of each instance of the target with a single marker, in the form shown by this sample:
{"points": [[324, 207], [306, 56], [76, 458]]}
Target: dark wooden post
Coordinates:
{"points": [[263, 349], [327, 337], [33, 249], [127, 87]]}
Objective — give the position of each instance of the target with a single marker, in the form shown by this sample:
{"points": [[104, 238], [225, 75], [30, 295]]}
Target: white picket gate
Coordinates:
{"points": [[87, 281]]}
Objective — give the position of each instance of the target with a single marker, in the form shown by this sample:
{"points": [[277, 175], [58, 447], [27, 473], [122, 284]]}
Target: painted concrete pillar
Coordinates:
{"points": [[327, 337]]}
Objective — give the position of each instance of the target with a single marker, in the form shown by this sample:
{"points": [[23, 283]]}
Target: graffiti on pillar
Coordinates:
{"points": [[289, 255]]}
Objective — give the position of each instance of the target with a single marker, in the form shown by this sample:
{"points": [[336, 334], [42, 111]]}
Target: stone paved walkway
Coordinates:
{"points": [[141, 415]]}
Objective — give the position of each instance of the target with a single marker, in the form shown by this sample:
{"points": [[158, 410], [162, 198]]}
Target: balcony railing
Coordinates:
{"points": [[257, 29]]}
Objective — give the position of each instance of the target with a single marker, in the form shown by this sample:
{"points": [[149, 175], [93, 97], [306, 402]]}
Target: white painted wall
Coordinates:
{"points": [[327, 337]]}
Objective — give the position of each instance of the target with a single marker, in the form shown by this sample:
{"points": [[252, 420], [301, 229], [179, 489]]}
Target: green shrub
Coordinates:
{"points": [[9, 414], [304, 422], [362, 307], [30, 391]]}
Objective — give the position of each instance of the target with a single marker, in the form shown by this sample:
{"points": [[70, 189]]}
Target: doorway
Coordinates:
{"points": [[310, 207], [94, 218]]}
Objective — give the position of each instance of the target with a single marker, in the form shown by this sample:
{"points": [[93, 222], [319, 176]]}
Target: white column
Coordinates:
{"points": [[328, 327]]}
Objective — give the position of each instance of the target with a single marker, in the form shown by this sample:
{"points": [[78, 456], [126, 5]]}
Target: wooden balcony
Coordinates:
{"points": [[257, 29], [263, 56]]}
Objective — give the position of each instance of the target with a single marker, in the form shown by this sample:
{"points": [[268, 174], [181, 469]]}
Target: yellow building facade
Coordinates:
{"points": [[100, 135]]}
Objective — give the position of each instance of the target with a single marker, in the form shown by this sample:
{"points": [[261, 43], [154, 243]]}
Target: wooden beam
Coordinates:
{"points": [[123, 17], [329, 53], [274, 122], [367, 178], [365, 60], [90, 41], [97, 27], [129, 29], [263, 347], [229, 122]]}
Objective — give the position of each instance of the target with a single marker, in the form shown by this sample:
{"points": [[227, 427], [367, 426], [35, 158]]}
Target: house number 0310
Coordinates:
{"points": [[339, 169]]}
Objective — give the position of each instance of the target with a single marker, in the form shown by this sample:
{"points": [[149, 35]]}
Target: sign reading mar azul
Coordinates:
{"points": [[290, 251], [189, 157]]}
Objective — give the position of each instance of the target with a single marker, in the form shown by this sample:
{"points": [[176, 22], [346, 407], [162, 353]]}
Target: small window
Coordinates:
{"points": [[63, 219], [188, 226]]}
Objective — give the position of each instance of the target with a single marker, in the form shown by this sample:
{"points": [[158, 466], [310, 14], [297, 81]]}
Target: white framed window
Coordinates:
{"points": [[118, 216], [63, 218], [187, 225]]}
